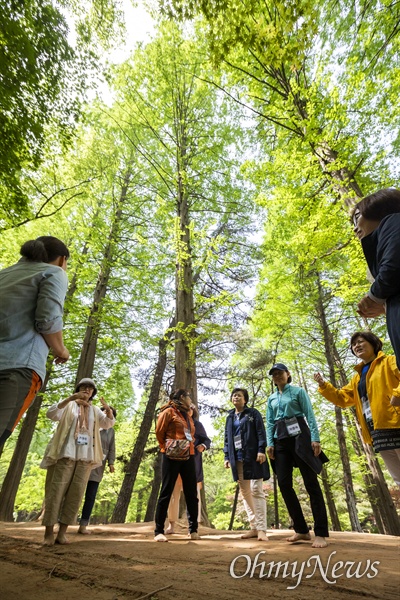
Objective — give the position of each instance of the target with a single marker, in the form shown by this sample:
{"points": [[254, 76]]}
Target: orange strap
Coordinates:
{"points": [[36, 384]]}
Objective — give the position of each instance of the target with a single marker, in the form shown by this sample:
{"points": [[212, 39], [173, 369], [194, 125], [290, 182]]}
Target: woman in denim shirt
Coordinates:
{"points": [[31, 307]]}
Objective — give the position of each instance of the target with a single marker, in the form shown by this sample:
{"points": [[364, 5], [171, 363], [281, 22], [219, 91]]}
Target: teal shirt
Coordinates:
{"points": [[292, 402]]}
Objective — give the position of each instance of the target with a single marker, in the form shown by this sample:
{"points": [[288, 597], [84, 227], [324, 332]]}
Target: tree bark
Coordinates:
{"points": [[132, 468], [89, 346], [13, 476], [155, 489], [332, 357], [335, 523], [234, 507], [382, 505]]}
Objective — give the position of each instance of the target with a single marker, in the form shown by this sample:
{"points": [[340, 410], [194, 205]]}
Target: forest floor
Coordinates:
{"points": [[122, 562]]}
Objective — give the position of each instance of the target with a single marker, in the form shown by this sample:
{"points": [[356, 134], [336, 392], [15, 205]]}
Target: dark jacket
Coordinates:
{"points": [[302, 447], [254, 440], [382, 251], [200, 437]]}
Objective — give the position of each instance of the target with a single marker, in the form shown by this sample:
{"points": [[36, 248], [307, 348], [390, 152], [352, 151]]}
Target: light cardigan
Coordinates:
{"points": [[67, 422]]}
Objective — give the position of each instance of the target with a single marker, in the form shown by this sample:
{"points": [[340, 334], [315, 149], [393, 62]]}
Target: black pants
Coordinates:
{"points": [[90, 497], [284, 456], [170, 471]]}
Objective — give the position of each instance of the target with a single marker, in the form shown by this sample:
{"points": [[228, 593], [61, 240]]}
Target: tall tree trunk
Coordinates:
{"points": [[335, 523], [276, 505], [124, 496], [13, 476], [89, 346], [185, 346], [155, 489], [234, 507], [382, 505], [331, 355]]}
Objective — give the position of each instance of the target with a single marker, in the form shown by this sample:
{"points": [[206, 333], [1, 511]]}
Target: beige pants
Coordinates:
{"points": [[253, 499], [173, 507], [65, 486]]}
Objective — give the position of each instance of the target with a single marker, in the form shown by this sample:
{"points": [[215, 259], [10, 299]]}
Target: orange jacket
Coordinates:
{"points": [[383, 382], [171, 424]]}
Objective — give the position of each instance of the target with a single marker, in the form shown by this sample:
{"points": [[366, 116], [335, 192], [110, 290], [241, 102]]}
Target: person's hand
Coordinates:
{"points": [[62, 357], [368, 308], [227, 464], [394, 401], [107, 409], [200, 448], [319, 379], [316, 446], [261, 458], [80, 398], [271, 452], [112, 468]]}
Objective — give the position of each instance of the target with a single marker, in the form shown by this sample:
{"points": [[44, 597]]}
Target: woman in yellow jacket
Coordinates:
{"points": [[375, 392]]}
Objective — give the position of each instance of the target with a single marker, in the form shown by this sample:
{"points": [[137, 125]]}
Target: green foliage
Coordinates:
{"points": [[43, 79]]}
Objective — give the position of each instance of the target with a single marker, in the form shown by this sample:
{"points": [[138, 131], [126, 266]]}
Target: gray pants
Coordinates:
{"points": [[18, 389]]}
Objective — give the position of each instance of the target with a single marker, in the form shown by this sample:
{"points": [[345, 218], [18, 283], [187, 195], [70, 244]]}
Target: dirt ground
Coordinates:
{"points": [[119, 562]]}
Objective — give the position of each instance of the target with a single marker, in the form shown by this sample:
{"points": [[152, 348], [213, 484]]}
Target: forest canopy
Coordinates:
{"points": [[206, 207]]}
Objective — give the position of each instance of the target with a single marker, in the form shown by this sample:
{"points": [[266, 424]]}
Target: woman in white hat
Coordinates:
{"points": [[74, 450]]}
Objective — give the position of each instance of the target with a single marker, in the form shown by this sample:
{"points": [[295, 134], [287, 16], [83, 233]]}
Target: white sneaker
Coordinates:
{"points": [[160, 538], [194, 535], [249, 534]]}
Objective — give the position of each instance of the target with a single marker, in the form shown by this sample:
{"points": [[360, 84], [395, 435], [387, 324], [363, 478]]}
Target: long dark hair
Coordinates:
{"points": [[176, 396], [379, 205], [45, 248]]}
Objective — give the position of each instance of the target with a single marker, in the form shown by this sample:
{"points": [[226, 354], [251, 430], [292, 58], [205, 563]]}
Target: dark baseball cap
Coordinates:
{"points": [[278, 367]]}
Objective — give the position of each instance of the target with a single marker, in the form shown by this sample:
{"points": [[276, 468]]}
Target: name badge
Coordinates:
{"points": [[237, 440], [292, 427], [82, 439], [188, 435], [368, 413]]}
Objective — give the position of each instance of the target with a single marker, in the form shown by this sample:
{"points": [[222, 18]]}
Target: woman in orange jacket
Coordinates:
{"points": [[175, 433], [375, 392]]}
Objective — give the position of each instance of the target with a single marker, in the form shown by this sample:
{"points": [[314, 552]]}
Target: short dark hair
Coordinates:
{"points": [[244, 392], [368, 336], [379, 205], [45, 248]]}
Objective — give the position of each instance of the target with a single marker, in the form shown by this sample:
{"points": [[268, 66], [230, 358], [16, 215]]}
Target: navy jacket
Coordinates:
{"points": [[382, 253], [254, 440], [200, 437]]}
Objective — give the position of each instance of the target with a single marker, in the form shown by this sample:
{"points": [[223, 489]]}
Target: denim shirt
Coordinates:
{"points": [[292, 402], [32, 298]]}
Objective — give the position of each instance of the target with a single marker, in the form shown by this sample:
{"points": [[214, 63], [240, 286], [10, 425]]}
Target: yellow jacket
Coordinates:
{"points": [[383, 382]]}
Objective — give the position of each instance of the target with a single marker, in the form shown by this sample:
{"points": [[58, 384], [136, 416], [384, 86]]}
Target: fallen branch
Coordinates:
{"points": [[52, 571], [154, 592]]}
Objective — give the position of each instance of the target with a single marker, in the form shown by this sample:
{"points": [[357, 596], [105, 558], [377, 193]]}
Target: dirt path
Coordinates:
{"points": [[123, 562]]}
